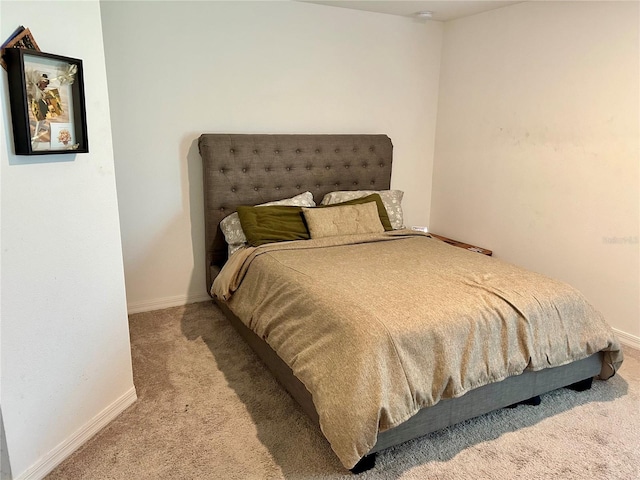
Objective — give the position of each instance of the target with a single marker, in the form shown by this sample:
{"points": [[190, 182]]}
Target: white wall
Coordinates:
{"points": [[66, 363], [179, 69], [537, 149]]}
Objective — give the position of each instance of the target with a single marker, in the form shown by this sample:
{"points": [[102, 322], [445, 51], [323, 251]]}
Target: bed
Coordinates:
{"points": [[242, 169]]}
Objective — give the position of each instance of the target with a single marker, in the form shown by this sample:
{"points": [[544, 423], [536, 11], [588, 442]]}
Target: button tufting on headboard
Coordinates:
{"points": [[280, 166]]}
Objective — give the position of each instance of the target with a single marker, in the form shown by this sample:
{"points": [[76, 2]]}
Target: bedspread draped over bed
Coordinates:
{"points": [[378, 326]]}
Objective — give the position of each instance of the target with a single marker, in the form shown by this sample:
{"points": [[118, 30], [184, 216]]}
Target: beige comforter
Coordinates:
{"points": [[378, 326]]}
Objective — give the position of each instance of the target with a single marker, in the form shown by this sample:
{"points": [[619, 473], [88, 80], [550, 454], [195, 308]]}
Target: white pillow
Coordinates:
{"points": [[232, 229], [392, 200]]}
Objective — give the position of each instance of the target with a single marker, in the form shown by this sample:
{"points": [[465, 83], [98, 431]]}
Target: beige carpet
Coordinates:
{"points": [[207, 409]]}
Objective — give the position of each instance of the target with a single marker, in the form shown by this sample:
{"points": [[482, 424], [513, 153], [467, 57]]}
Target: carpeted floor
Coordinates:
{"points": [[207, 409]]}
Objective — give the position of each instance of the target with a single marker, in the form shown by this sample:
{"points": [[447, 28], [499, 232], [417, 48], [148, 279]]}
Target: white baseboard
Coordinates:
{"points": [[166, 302], [56, 456], [627, 339]]}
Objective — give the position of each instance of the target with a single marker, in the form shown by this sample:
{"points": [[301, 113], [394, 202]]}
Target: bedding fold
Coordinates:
{"points": [[378, 326]]}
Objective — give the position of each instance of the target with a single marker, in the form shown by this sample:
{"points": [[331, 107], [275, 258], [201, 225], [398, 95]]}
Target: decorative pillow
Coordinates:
{"points": [[232, 229], [343, 220], [382, 212], [392, 200], [272, 224]]}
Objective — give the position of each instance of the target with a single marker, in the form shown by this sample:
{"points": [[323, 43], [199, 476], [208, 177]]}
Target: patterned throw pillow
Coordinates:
{"points": [[232, 229], [343, 220], [392, 200]]}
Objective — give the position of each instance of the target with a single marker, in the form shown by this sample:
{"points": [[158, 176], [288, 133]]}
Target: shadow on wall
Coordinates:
{"points": [[170, 243], [192, 188], [33, 159], [297, 445], [147, 294], [5, 465]]}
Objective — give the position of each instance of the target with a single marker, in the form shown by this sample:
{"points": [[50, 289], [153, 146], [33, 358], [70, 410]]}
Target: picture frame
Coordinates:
{"points": [[20, 38], [46, 94]]}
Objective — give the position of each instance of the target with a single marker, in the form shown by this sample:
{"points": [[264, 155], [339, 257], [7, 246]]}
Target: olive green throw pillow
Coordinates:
{"points": [[272, 224]]}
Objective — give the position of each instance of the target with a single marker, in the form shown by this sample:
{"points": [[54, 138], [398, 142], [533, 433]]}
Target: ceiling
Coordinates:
{"points": [[442, 10]]}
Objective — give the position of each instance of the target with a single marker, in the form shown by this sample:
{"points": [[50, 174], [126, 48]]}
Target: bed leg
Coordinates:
{"points": [[366, 463], [582, 385], [530, 401]]}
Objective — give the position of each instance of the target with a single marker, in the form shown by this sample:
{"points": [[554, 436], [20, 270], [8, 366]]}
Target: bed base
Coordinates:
{"points": [[511, 392]]}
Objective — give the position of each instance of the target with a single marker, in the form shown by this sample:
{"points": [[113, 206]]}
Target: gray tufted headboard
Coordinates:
{"points": [[247, 169]]}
